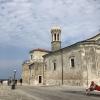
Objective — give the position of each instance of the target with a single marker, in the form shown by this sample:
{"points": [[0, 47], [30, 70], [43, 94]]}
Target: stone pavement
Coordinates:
{"points": [[46, 93], [6, 93], [75, 90]]}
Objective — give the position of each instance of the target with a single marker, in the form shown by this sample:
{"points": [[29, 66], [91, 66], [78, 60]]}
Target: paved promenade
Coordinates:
{"points": [[46, 93], [6, 93]]}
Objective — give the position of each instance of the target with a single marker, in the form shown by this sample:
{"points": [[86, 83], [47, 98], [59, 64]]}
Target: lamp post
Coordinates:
{"points": [[13, 85], [14, 76]]}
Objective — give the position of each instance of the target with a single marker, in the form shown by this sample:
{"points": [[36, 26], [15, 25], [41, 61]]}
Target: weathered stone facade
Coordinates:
{"points": [[32, 70], [78, 64], [25, 72], [36, 73]]}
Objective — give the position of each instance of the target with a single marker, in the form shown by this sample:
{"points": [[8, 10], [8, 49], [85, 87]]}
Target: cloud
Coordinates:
{"points": [[27, 23]]}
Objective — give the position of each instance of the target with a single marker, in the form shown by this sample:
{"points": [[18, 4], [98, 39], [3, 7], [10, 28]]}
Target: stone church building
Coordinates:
{"points": [[77, 64], [32, 69]]}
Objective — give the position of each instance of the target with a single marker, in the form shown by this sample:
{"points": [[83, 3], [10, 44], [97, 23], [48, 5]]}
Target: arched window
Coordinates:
{"points": [[55, 36], [72, 62], [58, 37], [54, 65]]}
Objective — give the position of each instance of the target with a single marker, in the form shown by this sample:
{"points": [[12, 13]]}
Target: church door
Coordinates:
{"points": [[40, 79]]}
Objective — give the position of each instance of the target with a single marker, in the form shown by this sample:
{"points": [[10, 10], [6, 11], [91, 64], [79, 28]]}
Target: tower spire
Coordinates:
{"points": [[56, 38]]}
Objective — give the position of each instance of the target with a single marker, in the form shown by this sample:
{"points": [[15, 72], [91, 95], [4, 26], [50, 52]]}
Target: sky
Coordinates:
{"points": [[26, 25]]}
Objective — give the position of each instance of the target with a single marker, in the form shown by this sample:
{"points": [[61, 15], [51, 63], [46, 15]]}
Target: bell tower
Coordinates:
{"points": [[56, 38]]}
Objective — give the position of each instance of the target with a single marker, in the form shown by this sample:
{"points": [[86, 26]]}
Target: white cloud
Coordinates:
{"points": [[27, 24]]}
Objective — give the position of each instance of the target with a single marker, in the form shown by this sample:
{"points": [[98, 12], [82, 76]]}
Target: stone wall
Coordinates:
{"points": [[64, 73], [86, 66], [91, 63], [36, 71], [25, 73], [37, 56], [72, 75], [33, 68]]}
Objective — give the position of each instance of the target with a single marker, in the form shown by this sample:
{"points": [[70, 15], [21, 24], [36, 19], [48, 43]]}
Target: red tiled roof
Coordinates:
{"points": [[39, 49]]}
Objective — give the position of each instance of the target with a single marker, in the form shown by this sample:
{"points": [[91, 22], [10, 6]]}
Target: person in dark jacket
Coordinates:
{"points": [[21, 81]]}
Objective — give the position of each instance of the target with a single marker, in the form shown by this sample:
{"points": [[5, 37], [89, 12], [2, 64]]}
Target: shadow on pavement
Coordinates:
{"points": [[94, 94]]}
